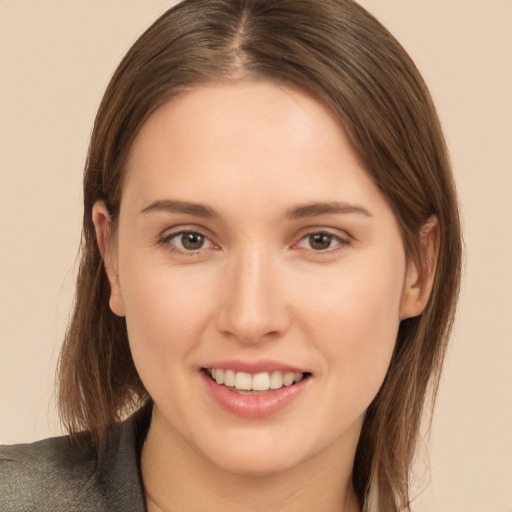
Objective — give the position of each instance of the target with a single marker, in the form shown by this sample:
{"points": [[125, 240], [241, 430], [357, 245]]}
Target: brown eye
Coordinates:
{"points": [[320, 241], [188, 241], [192, 241]]}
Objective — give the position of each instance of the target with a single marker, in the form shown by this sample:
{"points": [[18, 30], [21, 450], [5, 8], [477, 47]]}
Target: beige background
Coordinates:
{"points": [[56, 57]]}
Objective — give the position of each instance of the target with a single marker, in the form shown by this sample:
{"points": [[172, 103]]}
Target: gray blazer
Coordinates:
{"points": [[57, 474]]}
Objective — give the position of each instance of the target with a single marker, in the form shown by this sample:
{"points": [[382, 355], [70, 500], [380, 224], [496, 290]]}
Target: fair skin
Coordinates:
{"points": [[250, 239]]}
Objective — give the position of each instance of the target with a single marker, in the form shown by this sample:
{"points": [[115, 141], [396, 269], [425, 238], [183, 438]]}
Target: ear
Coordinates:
{"points": [[420, 274], [106, 245]]}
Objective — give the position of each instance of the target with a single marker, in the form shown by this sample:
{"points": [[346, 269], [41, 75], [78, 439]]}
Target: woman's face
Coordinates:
{"points": [[254, 249]]}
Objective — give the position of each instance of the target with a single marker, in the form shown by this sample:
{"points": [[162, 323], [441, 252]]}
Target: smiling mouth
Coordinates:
{"points": [[254, 384]]}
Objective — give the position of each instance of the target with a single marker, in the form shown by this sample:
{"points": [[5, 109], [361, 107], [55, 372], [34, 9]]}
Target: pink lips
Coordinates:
{"points": [[254, 366], [254, 405]]}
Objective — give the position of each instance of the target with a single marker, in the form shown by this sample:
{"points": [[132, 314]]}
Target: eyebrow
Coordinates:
{"points": [[314, 209], [172, 206], [297, 212]]}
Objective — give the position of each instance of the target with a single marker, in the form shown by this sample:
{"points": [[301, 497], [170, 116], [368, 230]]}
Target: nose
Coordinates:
{"points": [[252, 308]]}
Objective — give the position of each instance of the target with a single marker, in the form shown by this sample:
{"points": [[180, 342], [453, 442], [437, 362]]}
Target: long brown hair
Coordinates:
{"points": [[339, 53]]}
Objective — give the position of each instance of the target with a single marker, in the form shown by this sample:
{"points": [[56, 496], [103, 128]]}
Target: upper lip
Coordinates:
{"points": [[253, 367]]}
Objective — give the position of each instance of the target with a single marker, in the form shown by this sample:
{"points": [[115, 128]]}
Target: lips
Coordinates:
{"points": [[254, 390]]}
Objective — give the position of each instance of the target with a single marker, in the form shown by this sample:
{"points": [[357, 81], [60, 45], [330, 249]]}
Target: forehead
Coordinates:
{"points": [[249, 140]]}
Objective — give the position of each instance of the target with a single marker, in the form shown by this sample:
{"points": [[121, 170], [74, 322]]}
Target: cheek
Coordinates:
{"points": [[165, 312], [355, 326]]}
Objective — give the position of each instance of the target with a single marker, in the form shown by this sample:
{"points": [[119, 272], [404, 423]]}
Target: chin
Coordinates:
{"points": [[258, 464]]}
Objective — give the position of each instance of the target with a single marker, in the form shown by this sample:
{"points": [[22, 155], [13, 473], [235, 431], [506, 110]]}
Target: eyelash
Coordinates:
{"points": [[167, 241], [340, 242]]}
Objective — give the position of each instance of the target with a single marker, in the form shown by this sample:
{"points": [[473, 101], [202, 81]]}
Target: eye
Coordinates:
{"points": [[187, 241], [321, 241]]}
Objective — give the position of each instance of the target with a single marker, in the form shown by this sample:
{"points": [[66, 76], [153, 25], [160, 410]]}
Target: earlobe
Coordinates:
{"points": [[420, 274], [102, 226]]}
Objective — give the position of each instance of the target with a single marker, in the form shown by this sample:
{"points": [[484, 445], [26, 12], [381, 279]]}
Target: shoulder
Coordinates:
{"points": [[36, 476], [62, 474]]}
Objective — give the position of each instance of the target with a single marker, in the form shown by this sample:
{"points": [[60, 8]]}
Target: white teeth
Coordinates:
{"points": [[229, 378], [219, 377], [276, 380], [288, 378], [243, 381], [264, 381], [261, 382]]}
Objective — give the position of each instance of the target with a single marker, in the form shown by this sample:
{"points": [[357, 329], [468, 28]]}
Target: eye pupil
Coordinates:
{"points": [[192, 241], [320, 241]]}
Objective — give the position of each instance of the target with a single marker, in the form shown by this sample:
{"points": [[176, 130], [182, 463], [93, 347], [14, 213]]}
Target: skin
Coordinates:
{"points": [[251, 152]]}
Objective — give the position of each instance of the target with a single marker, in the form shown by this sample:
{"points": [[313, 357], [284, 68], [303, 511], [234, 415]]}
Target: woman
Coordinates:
{"points": [[270, 265]]}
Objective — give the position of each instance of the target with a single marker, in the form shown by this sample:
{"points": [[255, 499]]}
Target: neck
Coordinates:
{"points": [[177, 479]]}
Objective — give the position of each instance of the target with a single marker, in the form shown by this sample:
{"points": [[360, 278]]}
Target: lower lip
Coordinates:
{"points": [[254, 406]]}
